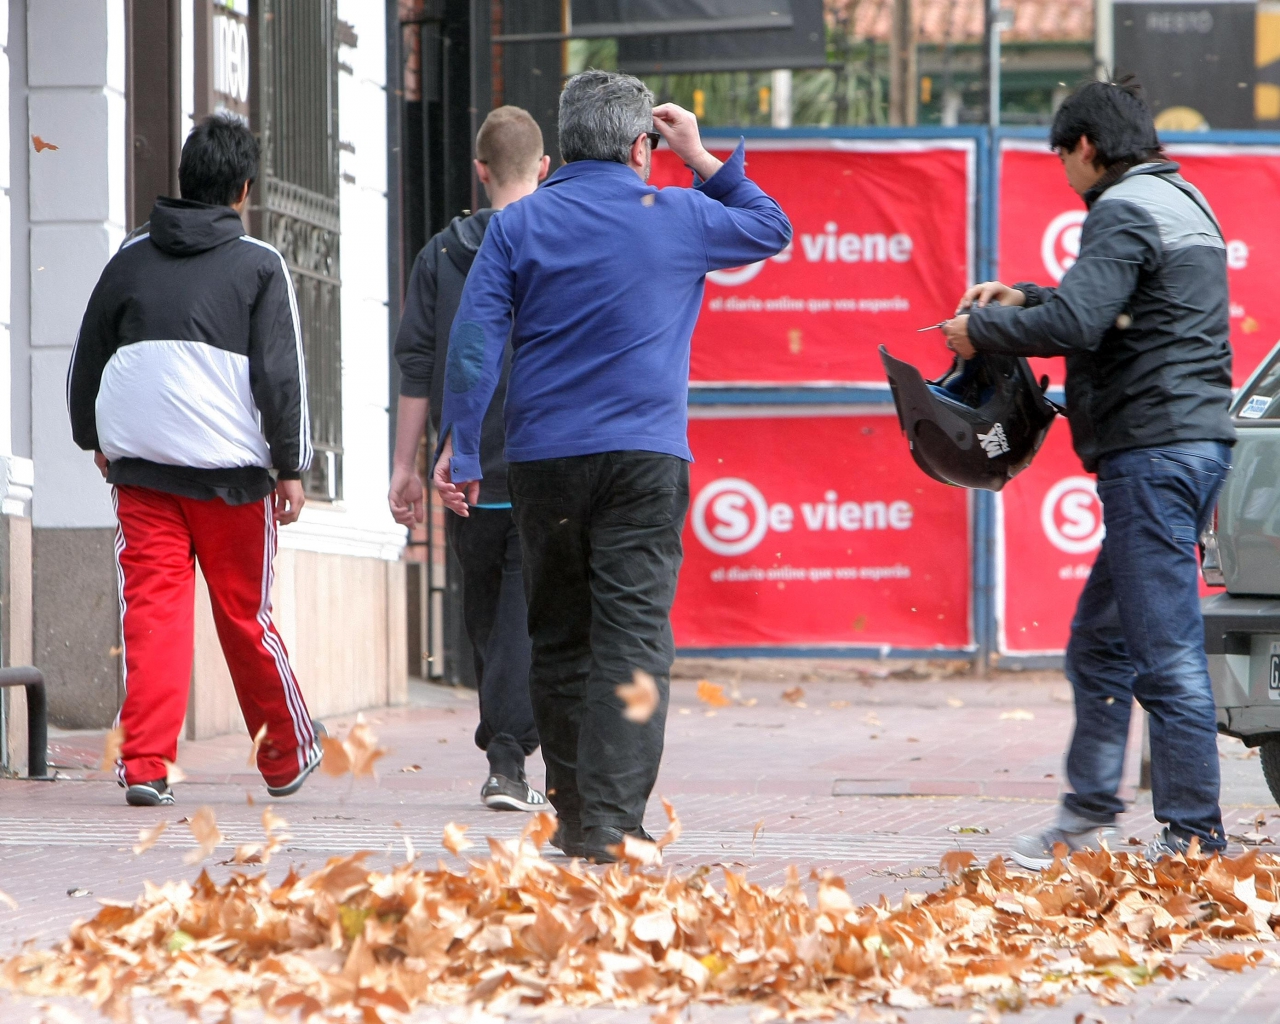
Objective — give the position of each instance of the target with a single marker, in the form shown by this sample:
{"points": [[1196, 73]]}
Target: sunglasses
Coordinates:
{"points": [[654, 139]]}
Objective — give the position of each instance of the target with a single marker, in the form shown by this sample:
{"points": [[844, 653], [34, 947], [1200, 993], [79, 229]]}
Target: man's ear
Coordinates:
{"points": [[637, 152], [1088, 151], [244, 192], [482, 172], [544, 167]]}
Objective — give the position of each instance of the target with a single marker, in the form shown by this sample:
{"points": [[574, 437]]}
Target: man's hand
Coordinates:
{"points": [[680, 128], [101, 462], [406, 498], [992, 291], [288, 501], [456, 497], [957, 332]]}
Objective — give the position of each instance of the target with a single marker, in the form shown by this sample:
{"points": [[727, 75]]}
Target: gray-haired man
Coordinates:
{"points": [[603, 276]]}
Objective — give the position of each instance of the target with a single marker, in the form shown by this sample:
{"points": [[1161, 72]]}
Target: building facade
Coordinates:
{"points": [[101, 94]]}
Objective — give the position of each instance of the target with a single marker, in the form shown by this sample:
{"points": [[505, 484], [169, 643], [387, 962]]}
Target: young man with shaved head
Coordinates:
{"points": [[509, 162]]}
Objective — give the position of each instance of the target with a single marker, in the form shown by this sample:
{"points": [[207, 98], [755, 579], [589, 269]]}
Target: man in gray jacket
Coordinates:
{"points": [[1141, 319], [509, 162]]}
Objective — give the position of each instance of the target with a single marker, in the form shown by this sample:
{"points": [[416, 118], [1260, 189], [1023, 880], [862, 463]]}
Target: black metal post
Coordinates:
{"points": [[37, 718]]}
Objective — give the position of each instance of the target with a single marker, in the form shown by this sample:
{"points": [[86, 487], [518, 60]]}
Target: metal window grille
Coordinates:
{"points": [[298, 201]]}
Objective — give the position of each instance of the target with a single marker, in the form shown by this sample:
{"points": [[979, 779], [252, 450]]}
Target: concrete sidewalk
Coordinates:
{"points": [[865, 774]]}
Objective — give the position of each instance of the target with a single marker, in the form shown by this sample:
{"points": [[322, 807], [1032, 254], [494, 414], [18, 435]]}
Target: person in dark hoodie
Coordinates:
{"points": [[509, 162], [1142, 319], [187, 383]]}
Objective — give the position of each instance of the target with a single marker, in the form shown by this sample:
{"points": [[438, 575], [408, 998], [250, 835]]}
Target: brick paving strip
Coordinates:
{"points": [[758, 786]]}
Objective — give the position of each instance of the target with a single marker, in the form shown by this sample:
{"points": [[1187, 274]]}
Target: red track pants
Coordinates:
{"points": [[159, 538]]}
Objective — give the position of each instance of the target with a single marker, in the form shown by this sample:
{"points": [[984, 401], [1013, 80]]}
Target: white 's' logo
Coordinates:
{"points": [[993, 442], [739, 516], [1060, 246], [1071, 515]]}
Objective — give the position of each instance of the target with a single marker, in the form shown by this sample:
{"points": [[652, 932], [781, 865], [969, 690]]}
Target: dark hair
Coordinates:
{"points": [[1111, 115], [219, 156]]}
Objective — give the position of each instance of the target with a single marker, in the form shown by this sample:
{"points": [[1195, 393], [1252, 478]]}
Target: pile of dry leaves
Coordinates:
{"points": [[348, 942]]}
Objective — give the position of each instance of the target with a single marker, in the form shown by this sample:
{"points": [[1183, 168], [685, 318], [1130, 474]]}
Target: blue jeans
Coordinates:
{"points": [[1138, 633]]}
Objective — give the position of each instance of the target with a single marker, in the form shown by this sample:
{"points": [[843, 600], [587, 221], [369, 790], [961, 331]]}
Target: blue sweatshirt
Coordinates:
{"points": [[603, 275]]}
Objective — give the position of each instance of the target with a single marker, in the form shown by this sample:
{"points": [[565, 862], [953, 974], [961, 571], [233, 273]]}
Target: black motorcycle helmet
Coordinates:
{"points": [[978, 425]]}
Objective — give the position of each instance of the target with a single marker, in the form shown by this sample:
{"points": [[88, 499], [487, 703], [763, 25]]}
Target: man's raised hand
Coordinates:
{"points": [[991, 291], [680, 128], [456, 497]]}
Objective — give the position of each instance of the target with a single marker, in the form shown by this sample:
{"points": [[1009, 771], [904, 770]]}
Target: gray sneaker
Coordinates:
{"points": [[1035, 852]]}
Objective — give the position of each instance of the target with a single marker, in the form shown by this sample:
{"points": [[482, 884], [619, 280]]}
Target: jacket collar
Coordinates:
{"points": [[1119, 172], [600, 169]]}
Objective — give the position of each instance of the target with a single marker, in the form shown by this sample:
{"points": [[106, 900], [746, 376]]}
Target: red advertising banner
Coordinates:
{"points": [[1050, 529], [882, 246], [818, 530], [1040, 219]]}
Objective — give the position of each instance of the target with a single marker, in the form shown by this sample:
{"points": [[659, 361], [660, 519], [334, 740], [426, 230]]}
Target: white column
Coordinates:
{"points": [[780, 103], [76, 203]]}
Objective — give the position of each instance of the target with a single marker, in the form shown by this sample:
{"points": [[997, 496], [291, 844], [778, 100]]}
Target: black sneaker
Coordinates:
{"points": [[313, 762], [149, 794], [598, 841], [500, 793]]}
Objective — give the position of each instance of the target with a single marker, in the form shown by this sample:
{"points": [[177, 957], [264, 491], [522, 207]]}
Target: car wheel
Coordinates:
{"points": [[1270, 752]]}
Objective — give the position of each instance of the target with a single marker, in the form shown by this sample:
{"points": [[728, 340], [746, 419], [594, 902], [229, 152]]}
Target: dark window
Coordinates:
{"points": [[297, 200]]}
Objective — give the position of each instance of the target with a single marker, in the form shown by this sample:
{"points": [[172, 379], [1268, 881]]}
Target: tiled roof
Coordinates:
{"points": [[960, 21]]}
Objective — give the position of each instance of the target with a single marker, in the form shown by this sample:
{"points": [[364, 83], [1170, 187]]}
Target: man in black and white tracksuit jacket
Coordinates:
{"points": [[188, 383]]}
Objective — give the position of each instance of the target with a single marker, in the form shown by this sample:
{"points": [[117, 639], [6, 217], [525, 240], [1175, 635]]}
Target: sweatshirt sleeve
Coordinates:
{"points": [[94, 345], [743, 225], [1119, 241], [415, 348], [277, 372], [477, 341]]}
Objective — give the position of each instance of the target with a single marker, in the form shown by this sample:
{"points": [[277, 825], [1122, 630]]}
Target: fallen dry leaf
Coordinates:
{"points": [[41, 145], [839, 704], [755, 832], [362, 748], [111, 749], [258, 737], [512, 930], [713, 694], [147, 837], [1235, 961], [954, 702], [336, 761], [540, 829], [204, 826], [639, 697], [173, 774], [8, 900], [955, 861], [1017, 715], [674, 828], [412, 768], [793, 694], [454, 839]]}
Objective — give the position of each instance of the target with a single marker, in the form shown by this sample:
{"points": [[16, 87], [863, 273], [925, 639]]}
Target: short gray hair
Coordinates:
{"points": [[601, 115]]}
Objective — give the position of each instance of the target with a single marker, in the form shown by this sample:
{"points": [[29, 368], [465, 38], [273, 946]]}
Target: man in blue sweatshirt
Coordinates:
{"points": [[598, 278]]}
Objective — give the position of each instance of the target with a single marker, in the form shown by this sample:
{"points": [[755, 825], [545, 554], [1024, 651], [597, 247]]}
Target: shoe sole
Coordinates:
{"points": [[1031, 863], [134, 798], [502, 802], [293, 787]]}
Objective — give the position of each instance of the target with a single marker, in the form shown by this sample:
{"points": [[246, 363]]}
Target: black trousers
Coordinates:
{"points": [[495, 617], [601, 540]]}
